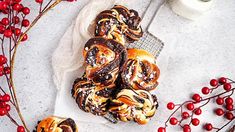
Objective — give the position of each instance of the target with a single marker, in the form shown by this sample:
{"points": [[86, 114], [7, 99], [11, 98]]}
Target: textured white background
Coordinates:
{"points": [[195, 52]]}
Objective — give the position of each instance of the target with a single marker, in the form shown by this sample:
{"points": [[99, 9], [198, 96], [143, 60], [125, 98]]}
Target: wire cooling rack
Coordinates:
{"points": [[149, 43]]}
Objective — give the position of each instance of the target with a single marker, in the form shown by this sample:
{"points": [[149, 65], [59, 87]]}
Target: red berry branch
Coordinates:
{"points": [[221, 91], [14, 27]]}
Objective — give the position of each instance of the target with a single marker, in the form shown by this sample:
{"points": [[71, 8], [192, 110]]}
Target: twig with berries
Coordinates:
{"points": [[191, 108], [14, 27]]}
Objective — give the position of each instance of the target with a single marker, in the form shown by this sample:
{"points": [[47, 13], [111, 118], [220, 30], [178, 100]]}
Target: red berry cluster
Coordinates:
{"points": [[13, 28], [4, 106], [191, 108], [12, 24], [4, 69]]}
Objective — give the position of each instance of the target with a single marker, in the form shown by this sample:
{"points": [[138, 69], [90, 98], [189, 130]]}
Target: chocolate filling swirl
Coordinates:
{"points": [[91, 98], [137, 105], [139, 71], [119, 23], [104, 58]]}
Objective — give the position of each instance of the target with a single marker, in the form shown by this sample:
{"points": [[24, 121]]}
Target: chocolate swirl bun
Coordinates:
{"points": [[57, 124], [119, 21], [103, 58], [91, 98], [140, 70], [137, 105]]}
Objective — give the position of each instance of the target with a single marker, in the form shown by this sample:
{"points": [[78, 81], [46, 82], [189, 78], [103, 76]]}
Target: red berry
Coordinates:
{"points": [[5, 21], [173, 121], [161, 129], [185, 115], [213, 82], [229, 107], [39, 1], [229, 115], [227, 86], [3, 111], [219, 111], [208, 126], [20, 129], [229, 100], [198, 111], [222, 80], [190, 106], [220, 101], [3, 104], [3, 59], [205, 90], [8, 33], [16, 19], [17, 7], [186, 128], [195, 121], [25, 23], [170, 106], [25, 37], [7, 70], [1, 73], [26, 10], [8, 107], [3, 5], [17, 31], [6, 97], [196, 97], [2, 29]]}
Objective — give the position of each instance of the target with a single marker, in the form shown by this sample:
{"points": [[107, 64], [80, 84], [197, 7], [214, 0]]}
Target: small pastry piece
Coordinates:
{"points": [[136, 105], [119, 23], [140, 70], [91, 98], [103, 58], [57, 124]]}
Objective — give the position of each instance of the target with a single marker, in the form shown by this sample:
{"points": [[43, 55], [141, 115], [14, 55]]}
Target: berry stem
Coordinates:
{"points": [[225, 125]]}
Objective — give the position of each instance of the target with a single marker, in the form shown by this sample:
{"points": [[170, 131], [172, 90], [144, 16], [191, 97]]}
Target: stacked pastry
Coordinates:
{"points": [[116, 79]]}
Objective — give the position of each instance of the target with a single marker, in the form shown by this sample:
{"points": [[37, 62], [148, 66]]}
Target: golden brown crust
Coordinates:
{"points": [[57, 124], [91, 98], [140, 70], [136, 105], [140, 54], [103, 57], [120, 24]]}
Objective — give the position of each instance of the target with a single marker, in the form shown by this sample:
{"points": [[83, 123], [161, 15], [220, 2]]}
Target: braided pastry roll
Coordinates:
{"points": [[91, 98], [137, 105], [57, 124], [140, 70], [119, 23], [103, 58]]}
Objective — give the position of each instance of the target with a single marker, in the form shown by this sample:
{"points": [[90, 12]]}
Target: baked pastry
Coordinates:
{"points": [[136, 105], [57, 124], [103, 58], [91, 98], [120, 24], [140, 70]]}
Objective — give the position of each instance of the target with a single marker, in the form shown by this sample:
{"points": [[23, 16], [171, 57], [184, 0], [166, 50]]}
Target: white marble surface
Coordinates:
{"points": [[195, 52]]}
